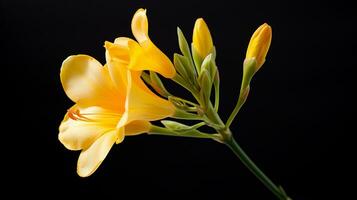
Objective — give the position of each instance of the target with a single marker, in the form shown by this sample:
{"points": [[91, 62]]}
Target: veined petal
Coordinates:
{"points": [[80, 131], [91, 158], [88, 83], [142, 104]]}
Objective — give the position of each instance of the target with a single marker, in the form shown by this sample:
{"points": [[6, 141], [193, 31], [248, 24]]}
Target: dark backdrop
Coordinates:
{"points": [[294, 125]]}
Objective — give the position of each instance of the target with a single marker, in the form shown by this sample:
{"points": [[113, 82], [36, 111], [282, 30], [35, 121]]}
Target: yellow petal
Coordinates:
{"points": [[119, 49], [139, 25], [142, 104], [202, 40], [77, 134], [88, 83], [259, 44], [137, 127], [117, 57], [123, 41], [147, 56], [125, 52], [91, 158]]}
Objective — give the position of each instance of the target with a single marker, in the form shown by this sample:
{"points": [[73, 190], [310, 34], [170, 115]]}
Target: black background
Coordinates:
{"points": [[295, 124]]}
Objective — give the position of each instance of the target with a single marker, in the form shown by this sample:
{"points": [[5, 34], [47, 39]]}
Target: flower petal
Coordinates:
{"points": [[117, 57], [81, 133], [125, 52], [139, 26], [142, 104], [88, 83], [147, 56], [91, 158], [137, 127]]}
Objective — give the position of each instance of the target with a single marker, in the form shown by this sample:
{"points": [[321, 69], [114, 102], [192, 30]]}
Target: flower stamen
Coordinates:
{"points": [[75, 114]]}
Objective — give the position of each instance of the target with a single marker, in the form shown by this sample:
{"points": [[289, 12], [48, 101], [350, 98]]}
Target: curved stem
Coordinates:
{"points": [[241, 100], [211, 117], [228, 139], [234, 146]]}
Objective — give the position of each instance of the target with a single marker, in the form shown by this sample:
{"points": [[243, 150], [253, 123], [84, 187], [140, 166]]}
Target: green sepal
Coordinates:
{"points": [[216, 83], [185, 69], [196, 58], [214, 53], [146, 77], [182, 128], [249, 69], [183, 104], [158, 86], [191, 132], [209, 65], [206, 87], [182, 114], [180, 66], [185, 49], [155, 82], [181, 81]]}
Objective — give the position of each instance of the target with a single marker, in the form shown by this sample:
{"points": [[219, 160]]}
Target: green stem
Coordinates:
{"points": [[242, 98], [228, 139], [210, 116], [234, 146]]}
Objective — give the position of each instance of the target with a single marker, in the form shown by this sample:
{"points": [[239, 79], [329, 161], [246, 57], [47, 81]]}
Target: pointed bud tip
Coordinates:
{"points": [[267, 27], [142, 10], [200, 21], [259, 44], [201, 38]]}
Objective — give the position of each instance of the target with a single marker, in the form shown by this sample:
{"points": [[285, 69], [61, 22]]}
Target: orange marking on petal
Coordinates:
{"points": [[72, 114], [76, 115]]}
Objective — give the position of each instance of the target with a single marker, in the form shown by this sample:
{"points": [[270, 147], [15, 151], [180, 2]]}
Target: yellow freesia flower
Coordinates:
{"points": [[112, 101], [145, 54], [91, 124], [202, 40], [104, 112], [259, 44]]}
